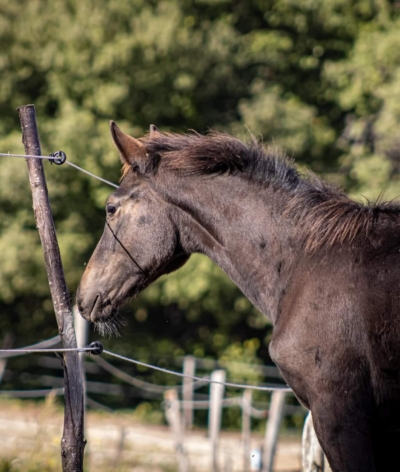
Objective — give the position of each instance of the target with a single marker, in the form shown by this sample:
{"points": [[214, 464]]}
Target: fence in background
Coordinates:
{"points": [[180, 401]]}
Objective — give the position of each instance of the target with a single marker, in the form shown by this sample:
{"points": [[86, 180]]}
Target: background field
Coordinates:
{"points": [[119, 442]]}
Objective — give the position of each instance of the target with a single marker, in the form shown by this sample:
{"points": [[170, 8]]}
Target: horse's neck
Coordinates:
{"points": [[241, 228]]}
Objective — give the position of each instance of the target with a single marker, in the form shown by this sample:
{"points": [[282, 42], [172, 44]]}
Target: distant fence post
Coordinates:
{"points": [[189, 366], [172, 412], [72, 442], [120, 447], [272, 429], [228, 462], [7, 344], [215, 413], [313, 457], [246, 428]]}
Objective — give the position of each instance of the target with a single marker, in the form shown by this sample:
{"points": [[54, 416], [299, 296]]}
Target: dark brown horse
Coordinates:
{"points": [[323, 268]]}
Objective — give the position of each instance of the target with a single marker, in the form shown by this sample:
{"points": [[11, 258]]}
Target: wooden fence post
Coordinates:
{"points": [[313, 457], [72, 442], [215, 413], [189, 366], [272, 430], [172, 412], [246, 428]]}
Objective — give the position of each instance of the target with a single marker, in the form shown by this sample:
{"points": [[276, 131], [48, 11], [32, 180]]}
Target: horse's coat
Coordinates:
{"points": [[324, 268]]}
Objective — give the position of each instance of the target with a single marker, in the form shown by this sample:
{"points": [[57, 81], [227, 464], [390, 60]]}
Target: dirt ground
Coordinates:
{"points": [[116, 442]]}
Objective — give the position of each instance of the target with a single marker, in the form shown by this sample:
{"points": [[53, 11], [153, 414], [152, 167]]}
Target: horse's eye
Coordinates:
{"points": [[111, 209]]}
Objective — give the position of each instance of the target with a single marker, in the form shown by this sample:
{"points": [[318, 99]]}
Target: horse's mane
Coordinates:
{"points": [[216, 153], [327, 216], [322, 212]]}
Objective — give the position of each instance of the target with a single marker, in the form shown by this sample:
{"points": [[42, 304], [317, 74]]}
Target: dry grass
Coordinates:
{"points": [[117, 442]]}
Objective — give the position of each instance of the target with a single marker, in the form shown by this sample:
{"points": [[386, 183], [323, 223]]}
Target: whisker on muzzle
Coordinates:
{"points": [[110, 327]]}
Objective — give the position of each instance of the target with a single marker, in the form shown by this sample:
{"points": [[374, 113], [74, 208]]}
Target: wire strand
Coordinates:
{"points": [[31, 156], [141, 384], [32, 351], [91, 175], [21, 351], [27, 156], [206, 380]]}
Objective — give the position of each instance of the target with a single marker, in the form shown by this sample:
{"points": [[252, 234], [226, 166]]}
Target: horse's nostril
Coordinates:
{"points": [[95, 308]]}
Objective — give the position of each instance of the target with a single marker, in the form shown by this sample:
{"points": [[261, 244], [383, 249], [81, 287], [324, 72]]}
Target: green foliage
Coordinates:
{"points": [[320, 79], [368, 85]]}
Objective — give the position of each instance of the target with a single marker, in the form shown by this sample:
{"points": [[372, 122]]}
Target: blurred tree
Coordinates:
{"points": [[368, 90]]}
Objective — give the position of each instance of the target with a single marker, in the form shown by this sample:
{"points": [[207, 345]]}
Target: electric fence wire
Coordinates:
{"points": [[5, 354], [141, 384], [95, 349], [193, 377], [29, 156], [18, 352]]}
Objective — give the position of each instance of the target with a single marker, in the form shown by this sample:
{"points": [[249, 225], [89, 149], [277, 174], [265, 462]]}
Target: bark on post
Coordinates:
{"points": [[72, 442]]}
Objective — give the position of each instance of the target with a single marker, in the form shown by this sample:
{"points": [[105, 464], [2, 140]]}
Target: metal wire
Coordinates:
{"points": [[91, 175], [32, 351], [21, 351], [141, 384], [203, 380], [30, 156], [206, 380]]}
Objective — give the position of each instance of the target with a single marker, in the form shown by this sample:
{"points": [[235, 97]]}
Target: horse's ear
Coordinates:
{"points": [[130, 149], [154, 129]]}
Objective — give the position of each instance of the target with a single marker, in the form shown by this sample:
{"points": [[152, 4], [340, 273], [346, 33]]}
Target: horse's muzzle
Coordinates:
{"points": [[92, 307]]}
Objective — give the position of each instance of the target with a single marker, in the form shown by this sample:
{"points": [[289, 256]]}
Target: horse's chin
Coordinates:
{"points": [[107, 321], [110, 327], [107, 314], [101, 310]]}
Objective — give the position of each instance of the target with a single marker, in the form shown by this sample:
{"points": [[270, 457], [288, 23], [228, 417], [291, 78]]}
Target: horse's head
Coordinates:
{"points": [[140, 240]]}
